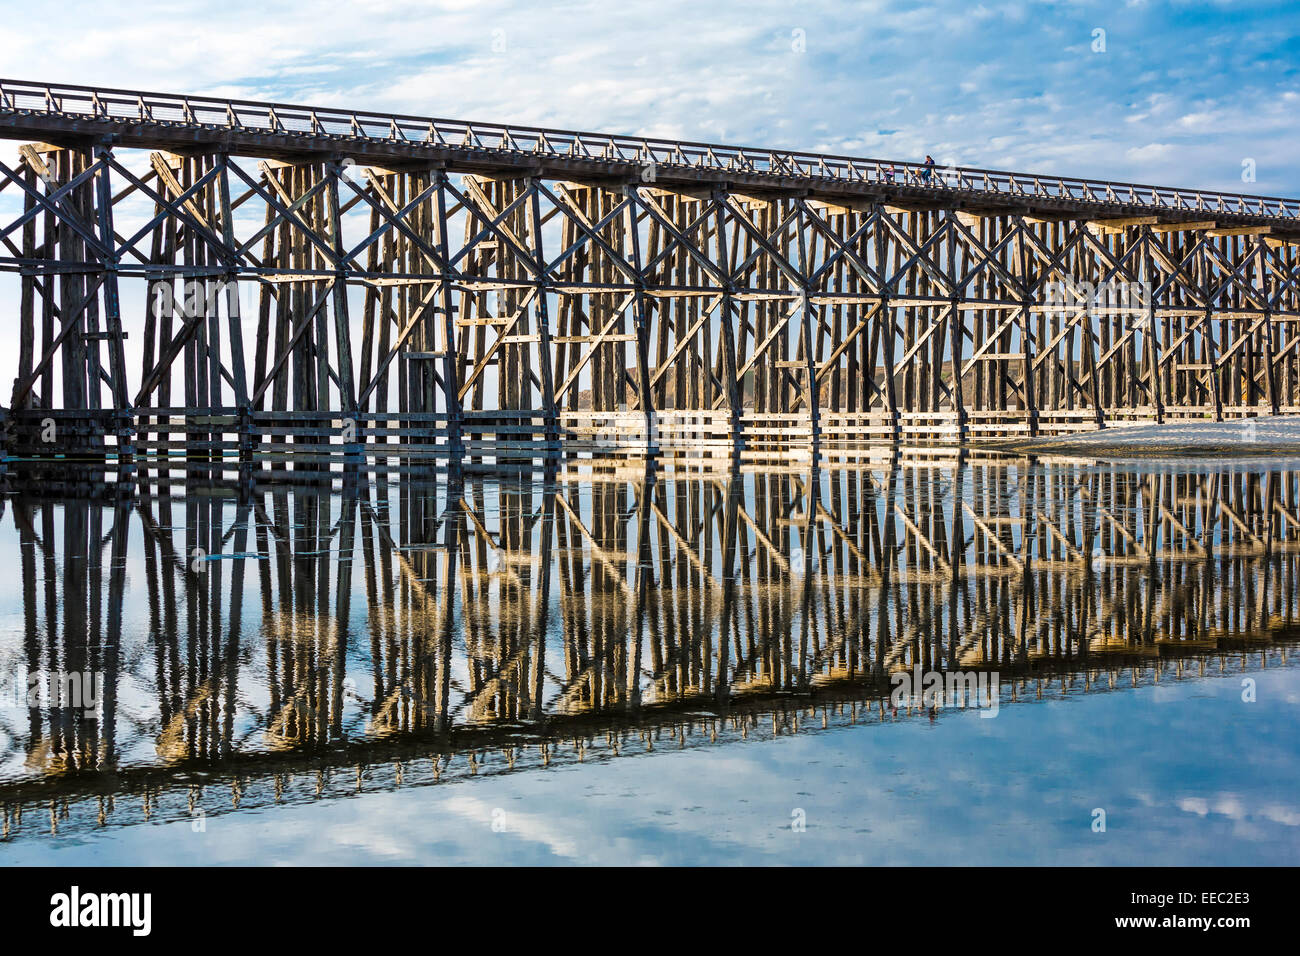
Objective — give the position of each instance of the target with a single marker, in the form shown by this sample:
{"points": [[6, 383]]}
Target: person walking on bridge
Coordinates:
{"points": [[928, 169]]}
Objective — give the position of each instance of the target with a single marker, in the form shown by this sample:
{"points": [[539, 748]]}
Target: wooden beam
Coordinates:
{"points": [[1197, 226], [1113, 226], [1241, 231]]}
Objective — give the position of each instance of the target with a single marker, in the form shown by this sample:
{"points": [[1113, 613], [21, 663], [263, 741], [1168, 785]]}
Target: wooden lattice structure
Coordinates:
{"points": [[311, 285]]}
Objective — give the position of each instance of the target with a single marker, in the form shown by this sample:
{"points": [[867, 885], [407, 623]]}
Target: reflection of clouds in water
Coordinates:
{"points": [[522, 824], [1287, 816], [1231, 805], [961, 790]]}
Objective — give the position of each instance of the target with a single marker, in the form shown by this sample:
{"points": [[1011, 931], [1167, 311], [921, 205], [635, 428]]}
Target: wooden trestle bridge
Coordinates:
{"points": [[509, 625], [219, 280]]}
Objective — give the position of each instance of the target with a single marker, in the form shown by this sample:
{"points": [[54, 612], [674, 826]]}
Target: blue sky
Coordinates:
{"points": [[1179, 93]]}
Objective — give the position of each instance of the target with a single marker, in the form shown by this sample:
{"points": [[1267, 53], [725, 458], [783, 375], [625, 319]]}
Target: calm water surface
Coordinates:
{"points": [[699, 668]]}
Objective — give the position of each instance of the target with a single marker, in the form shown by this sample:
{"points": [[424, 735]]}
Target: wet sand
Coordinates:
{"points": [[1271, 437]]}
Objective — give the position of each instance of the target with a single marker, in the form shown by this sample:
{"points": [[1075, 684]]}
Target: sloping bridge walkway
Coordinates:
{"points": [[310, 284]]}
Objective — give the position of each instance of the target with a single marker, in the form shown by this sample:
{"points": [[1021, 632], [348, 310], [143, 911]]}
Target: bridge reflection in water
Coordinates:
{"points": [[256, 647]]}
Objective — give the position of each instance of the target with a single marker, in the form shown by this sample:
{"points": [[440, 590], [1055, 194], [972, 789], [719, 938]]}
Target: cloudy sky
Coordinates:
{"points": [[1179, 93]]}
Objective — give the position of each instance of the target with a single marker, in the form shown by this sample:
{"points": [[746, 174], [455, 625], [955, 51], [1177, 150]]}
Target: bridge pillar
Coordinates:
{"points": [[885, 317]]}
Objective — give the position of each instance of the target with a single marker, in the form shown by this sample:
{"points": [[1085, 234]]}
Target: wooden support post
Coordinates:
{"points": [[1151, 330], [1270, 360], [812, 388], [731, 386], [450, 365], [1030, 397], [113, 311], [234, 320], [546, 359], [957, 325], [342, 327], [885, 316], [641, 323]]}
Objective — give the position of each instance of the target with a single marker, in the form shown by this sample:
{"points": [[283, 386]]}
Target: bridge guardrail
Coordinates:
{"points": [[258, 117]]}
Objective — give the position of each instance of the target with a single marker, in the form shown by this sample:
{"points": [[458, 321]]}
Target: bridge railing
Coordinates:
{"points": [[351, 125]]}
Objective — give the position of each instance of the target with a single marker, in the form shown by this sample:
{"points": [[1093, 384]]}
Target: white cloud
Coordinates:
{"points": [[1151, 152]]}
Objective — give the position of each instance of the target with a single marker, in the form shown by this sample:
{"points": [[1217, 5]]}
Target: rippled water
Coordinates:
{"points": [[963, 661]]}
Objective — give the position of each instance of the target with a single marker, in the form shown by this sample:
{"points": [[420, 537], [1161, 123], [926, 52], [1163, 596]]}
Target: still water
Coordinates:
{"points": [[966, 661]]}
